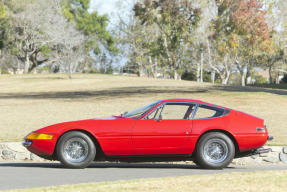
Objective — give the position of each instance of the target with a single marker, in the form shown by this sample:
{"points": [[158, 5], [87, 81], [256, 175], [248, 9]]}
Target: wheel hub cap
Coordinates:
{"points": [[215, 151], [76, 150]]}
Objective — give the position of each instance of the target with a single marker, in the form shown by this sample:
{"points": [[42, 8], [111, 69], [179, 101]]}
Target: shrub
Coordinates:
{"points": [[190, 76], [284, 79], [259, 79]]}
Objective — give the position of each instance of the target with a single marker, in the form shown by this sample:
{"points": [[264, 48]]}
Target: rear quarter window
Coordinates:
{"points": [[206, 112]]}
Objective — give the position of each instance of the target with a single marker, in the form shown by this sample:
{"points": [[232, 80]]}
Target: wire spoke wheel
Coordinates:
{"points": [[76, 150], [215, 151]]}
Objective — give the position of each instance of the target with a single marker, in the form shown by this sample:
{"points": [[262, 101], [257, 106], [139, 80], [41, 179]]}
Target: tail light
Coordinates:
{"points": [[261, 130]]}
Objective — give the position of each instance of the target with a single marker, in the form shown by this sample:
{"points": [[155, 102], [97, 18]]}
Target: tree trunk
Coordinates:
{"points": [[242, 79], [277, 77], [270, 75], [209, 61], [201, 67], [213, 77], [248, 77], [27, 63], [152, 69], [198, 73], [141, 71], [33, 71], [155, 67], [176, 75], [243, 76], [70, 71], [225, 80], [18, 66]]}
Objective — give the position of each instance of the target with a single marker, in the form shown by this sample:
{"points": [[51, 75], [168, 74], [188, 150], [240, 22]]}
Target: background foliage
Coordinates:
{"points": [[226, 41]]}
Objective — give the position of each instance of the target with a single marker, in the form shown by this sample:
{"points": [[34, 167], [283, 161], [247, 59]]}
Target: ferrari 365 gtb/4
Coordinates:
{"points": [[166, 130]]}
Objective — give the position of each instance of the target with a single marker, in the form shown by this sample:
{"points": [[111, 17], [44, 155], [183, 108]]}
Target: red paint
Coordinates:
{"points": [[161, 137], [125, 136]]}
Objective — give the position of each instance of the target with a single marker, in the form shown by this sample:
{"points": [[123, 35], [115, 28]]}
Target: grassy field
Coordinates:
{"points": [[240, 182], [30, 102]]}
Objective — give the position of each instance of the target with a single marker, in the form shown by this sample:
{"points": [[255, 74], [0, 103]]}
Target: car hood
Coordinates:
{"points": [[86, 124]]}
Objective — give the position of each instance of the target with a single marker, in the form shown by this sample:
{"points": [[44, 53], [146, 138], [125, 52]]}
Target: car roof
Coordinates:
{"points": [[191, 101]]}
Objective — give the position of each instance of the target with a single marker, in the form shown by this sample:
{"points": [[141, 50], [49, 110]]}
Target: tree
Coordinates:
{"points": [[281, 34], [200, 46], [240, 29], [141, 49], [3, 26], [4, 34], [2, 31], [93, 26], [174, 20], [43, 33], [252, 30], [270, 58], [220, 43], [271, 55], [29, 21]]}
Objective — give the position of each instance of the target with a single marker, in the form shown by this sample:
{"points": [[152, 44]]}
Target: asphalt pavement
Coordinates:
{"points": [[17, 175]]}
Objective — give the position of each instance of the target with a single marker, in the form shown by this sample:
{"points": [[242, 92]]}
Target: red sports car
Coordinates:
{"points": [[166, 130]]}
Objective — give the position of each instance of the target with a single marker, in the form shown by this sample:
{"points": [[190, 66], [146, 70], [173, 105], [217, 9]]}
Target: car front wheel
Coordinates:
{"points": [[214, 151], [76, 150]]}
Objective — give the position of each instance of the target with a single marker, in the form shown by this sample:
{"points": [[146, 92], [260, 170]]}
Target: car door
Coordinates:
{"points": [[165, 130]]}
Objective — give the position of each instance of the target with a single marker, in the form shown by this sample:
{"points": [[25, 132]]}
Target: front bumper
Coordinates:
{"points": [[40, 147], [27, 143]]}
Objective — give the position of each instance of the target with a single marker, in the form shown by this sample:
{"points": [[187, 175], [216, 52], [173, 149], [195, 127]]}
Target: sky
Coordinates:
{"points": [[103, 6], [110, 7]]}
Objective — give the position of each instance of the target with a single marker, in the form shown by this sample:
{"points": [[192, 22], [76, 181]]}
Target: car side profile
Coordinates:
{"points": [[166, 130]]}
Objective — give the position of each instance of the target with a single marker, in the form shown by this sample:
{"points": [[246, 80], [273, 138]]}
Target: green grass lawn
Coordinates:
{"points": [[267, 181], [30, 102]]}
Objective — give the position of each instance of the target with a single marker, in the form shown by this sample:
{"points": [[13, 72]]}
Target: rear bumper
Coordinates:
{"points": [[255, 150], [270, 138], [261, 149]]}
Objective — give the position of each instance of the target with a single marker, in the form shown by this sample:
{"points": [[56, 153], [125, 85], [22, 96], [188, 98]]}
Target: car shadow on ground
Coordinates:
{"points": [[142, 165], [106, 165]]}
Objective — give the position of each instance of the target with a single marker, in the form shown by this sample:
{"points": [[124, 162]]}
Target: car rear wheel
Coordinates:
{"points": [[214, 151], [76, 150]]}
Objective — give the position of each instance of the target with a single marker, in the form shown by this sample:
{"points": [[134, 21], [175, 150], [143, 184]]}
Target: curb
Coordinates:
{"points": [[278, 155], [15, 151]]}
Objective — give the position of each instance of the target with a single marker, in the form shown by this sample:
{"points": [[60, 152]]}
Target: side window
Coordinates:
{"points": [[174, 111], [205, 112]]}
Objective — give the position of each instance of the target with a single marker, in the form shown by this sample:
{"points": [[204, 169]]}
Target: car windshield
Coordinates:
{"points": [[137, 113]]}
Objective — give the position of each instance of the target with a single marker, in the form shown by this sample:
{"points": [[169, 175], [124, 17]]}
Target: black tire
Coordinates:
{"points": [[78, 143], [219, 143]]}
